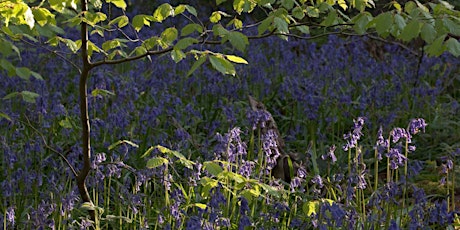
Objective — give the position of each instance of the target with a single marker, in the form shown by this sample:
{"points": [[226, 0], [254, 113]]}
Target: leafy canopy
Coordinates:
{"points": [[436, 24]]}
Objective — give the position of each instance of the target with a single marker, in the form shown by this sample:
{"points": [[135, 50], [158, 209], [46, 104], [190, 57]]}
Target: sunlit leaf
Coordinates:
{"points": [[215, 17], [236, 59], [169, 35], [112, 146], [156, 162], [43, 16], [177, 55], [121, 21], [162, 12], [101, 92], [88, 206], [141, 20], [118, 3]]}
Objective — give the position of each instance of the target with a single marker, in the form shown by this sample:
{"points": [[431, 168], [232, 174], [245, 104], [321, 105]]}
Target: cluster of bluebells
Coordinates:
{"points": [[353, 137], [231, 146]]}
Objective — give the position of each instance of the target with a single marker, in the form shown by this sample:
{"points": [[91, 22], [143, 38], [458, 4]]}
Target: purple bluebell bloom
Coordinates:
{"points": [[354, 136]]}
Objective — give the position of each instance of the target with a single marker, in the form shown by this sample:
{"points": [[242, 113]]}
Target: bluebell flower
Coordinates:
{"points": [[330, 154], [10, 216], [416, 125], [398, 133], [354, 136], [246, 169], [396, 158], [317, 180]]}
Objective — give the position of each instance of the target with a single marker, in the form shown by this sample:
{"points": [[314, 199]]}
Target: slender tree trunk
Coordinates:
{"points": [[84, 117]]}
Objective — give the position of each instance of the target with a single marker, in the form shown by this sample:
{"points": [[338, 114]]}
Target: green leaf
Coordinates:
{"points": [[197, 64], [453, 46], [185, 42], [399, 21], [281, 25], [191, 10], [3, 115], [436, 48], [219, 30], [112, 44], [23, 72], [190, 28], [43, 16], [94, 18], [298, 13], [179, 9], [156, 162], [169, 35], [222, 65], [87, 206], [177, 55], [303, 29], [331, 19], [36, 75], [118, 3], [383, 23], [66, 123], [121, 21], [411, 31], [264, 25], [310, 207], [428, 33], [288, 4], [112, 146], [6, 65], [312, 12], [149, 150], [215, 17], [451, 26], [212, 167], [243, 6], [238, 24], [236, 59], [361, 21], [343, 4], [29, 97], [238, 40], [140, 20], [162, 12], [11, 95], [101, 92], [184, 161]]}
